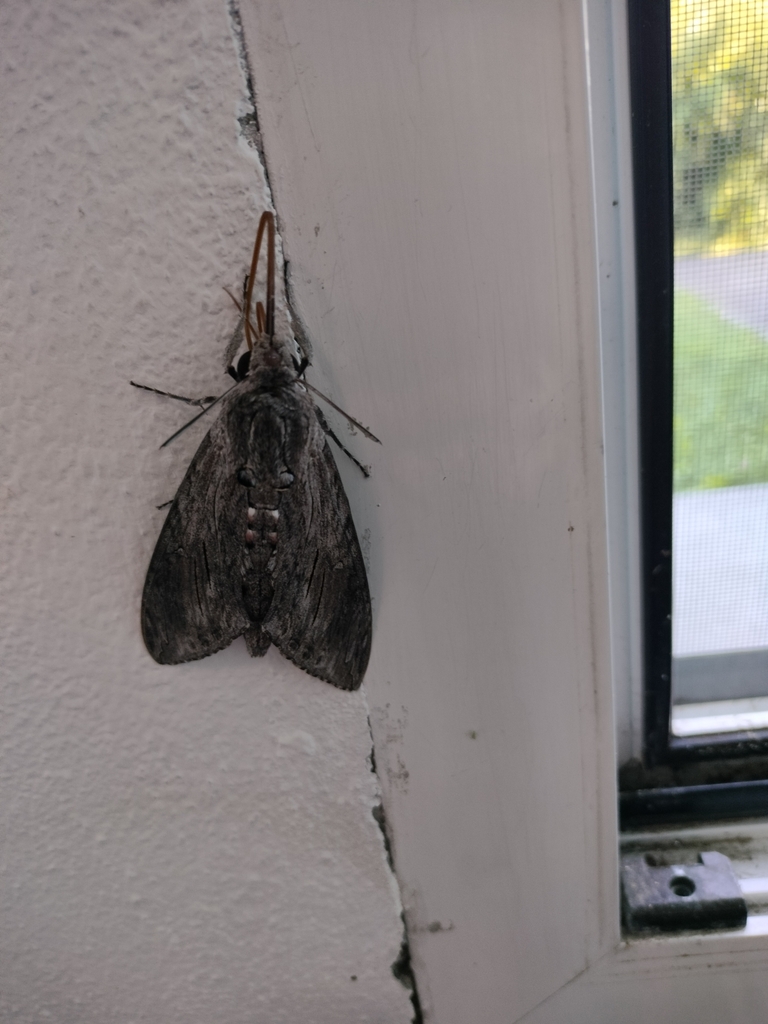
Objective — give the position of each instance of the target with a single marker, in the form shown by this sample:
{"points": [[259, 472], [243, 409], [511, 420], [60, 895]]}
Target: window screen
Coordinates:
{"points": [[720, 434]]}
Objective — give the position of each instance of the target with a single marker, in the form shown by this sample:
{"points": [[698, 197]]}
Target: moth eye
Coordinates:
{"points": [[246, 477], [285, 479], [243, 365]]}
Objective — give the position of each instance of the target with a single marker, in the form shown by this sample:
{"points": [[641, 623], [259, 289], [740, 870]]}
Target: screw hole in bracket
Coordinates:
{"points": [[681, 885]]}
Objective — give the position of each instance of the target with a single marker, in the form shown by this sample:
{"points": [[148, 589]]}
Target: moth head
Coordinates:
{"points": [[268, 353]]}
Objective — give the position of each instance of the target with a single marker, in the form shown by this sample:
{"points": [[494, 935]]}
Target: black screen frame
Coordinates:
{"points": [[650, 61]]}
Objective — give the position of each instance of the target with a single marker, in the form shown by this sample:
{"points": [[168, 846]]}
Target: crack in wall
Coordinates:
{"points": [[249, 122], [402, 968]]}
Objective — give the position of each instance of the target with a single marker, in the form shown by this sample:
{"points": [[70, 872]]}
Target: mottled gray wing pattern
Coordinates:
{"points": [[320, 616], [193, 604], [260, 541]]}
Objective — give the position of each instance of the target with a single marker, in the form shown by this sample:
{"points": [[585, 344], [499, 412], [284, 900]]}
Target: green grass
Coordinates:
{"points": [[721, 399]]}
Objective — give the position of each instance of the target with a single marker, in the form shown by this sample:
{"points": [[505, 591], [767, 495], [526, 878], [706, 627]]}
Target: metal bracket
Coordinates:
{"points": [[678, 896]]}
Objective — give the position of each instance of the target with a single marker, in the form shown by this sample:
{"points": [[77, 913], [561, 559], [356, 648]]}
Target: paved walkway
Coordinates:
{"points": [[736, 285], [720, 571]]}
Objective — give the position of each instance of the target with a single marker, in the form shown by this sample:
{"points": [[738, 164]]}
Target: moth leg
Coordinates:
{"points": [[350, 419], [200, 402], [229, 293], [326, 427], [237, 335], [297, 327], [196, 418]]}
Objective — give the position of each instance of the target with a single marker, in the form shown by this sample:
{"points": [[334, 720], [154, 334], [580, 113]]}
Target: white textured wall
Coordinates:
{"points": [[178, 844]]}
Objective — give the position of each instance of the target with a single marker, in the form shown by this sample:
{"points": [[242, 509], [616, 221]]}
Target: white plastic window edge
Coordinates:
{"points": [[610, 127]]}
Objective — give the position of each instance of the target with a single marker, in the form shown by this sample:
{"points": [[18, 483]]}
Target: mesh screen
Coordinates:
{"points": [[720, 145]]}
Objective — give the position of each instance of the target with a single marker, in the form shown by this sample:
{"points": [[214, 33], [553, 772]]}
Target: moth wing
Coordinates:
{"points": [[320, 616], [193, 604]]}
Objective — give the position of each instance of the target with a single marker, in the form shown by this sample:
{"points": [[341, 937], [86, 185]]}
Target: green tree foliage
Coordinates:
{"points": [[720, 124]]}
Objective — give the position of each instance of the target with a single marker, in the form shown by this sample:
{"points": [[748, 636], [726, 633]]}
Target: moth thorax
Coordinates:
{"points": [[270, 355]]}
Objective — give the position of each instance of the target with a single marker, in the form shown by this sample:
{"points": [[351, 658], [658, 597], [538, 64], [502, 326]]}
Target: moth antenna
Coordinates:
{"points": [[260, 316], [269, 326], [338, 408], [237, 335], [196, 418], [249, 332], [179, 398], [267, 219]]}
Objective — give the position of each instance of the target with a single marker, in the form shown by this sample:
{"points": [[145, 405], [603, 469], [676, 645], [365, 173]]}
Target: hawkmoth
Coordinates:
{"points": [[259, 541]]}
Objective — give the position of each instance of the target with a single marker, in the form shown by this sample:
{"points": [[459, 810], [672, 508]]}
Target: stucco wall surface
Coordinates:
{"points": [[188, 843]]}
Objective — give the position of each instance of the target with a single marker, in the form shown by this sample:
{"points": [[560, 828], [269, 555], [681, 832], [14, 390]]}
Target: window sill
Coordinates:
{"points": [[721, 716]]}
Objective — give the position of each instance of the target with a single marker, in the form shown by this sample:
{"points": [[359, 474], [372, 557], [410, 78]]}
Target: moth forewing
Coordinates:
{"points": [[259, 541]]}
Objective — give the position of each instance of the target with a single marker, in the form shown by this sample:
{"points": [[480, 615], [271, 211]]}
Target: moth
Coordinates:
{"points": [[259, 541]]}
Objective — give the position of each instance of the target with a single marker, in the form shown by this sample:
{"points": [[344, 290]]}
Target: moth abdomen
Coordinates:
{"points": [[257, 641], [260, 528]]}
